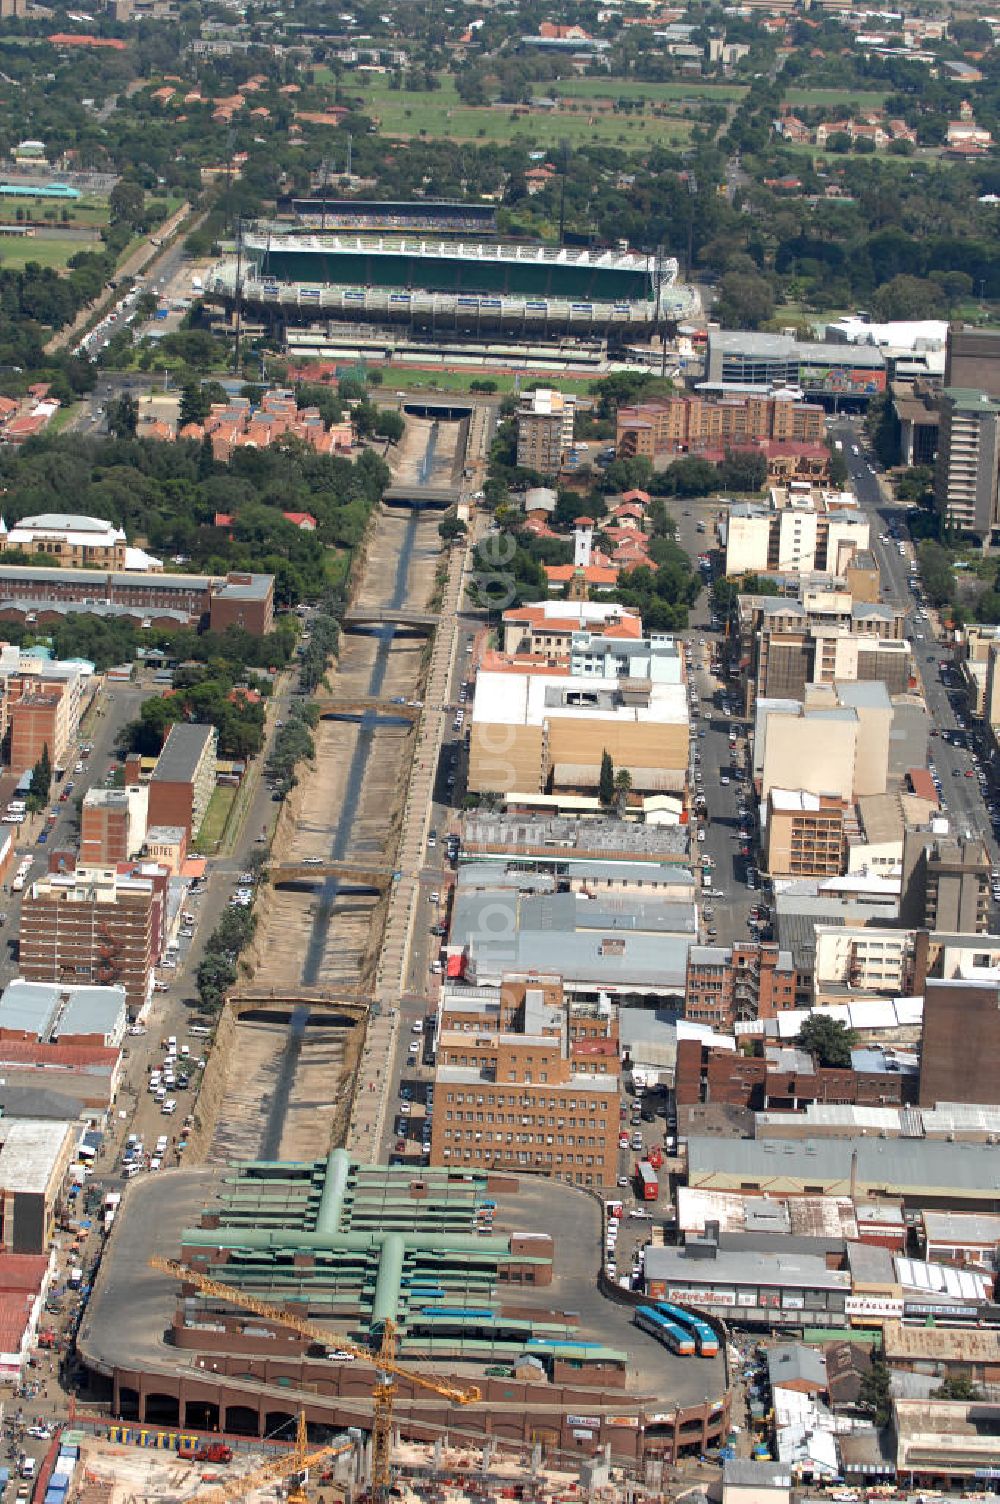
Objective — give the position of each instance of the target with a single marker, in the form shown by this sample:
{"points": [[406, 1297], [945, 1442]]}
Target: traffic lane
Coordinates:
{"points": [[961, 794], [723, 840]]}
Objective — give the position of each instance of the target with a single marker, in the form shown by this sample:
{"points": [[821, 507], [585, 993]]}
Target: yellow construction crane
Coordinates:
{"points": [[296, 1461], [384, 1361]]}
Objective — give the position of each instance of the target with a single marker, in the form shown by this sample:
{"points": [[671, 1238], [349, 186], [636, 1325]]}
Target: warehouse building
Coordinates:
{"points": [[625, 947], [920, 1172]]}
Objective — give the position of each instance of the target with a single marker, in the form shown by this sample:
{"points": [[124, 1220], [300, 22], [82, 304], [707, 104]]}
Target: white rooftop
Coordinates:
{"points": [[30, 1150], [530, 699]]}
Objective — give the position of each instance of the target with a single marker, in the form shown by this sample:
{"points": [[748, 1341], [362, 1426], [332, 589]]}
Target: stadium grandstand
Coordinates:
{"points": [[444, 285], [431, 216]]}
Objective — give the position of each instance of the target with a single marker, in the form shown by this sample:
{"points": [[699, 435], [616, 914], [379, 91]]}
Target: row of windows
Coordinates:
{"points": [[511, 1118], [469, 1135], [477, 1099], [524, 1157], [577, 1177]]}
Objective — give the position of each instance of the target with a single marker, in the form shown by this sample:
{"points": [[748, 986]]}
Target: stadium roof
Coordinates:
{"points": [[274, 240]]}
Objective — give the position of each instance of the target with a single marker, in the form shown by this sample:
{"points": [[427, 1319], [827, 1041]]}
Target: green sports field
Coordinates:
{"points": [[404, 114]]}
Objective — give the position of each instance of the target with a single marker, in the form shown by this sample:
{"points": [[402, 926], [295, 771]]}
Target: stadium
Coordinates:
{"points": [[433, 216], [439, 285]]}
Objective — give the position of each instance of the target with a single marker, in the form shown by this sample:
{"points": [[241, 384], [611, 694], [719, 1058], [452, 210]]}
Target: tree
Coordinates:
{"points": [[451, 527], [126, 203], [41, 774], [623, 787], [389, 425], [123, 416], [606, 783], [957, 1388], [828, 1040], [215, 975], [194, 406], [936, 573], [745, 301], [907, 297], [875, 1393]]}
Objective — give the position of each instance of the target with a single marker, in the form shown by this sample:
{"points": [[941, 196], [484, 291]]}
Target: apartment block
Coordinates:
{"points": [[804, 834], [38, 717], [960, 1057], [112, 825], [685, 424], [730, 984], [183, 780], [800, 530], [89, 926], [780, 646], [945, 882], [865, 959], [968, 461], [544, 429], [527, 1081], [836, 741]]}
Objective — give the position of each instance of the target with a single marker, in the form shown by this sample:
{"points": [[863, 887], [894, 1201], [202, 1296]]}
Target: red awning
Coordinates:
{"points": [[456, 965]]}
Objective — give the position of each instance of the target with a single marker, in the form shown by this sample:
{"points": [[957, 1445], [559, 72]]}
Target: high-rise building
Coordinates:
{"points": [[86, 926], [544, 429], [945, 882], [527, 1083], [972, 360], [112, 825], [960, 1053], [804, 835], [40, 713], [183, 780], [968, 461], [730, 984]]}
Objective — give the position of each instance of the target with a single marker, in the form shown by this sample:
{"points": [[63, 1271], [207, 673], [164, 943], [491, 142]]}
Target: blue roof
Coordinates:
{"points": [[49, 1010]]}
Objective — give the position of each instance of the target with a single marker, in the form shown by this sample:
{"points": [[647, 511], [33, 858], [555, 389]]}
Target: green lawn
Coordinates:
{"points": [[54, 251], [864, 99], [630, 88], [89, 212], [214, 824], [441, 115], [405, 379]]}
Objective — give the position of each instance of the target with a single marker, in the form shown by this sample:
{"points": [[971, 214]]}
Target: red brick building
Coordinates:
{"points": [[739, 982], [783, 1079], [183, 780], [531, 1085], [37, 721], [86, 927]]}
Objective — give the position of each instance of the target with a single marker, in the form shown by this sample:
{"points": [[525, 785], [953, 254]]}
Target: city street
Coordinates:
{"points": [[961, 794]]}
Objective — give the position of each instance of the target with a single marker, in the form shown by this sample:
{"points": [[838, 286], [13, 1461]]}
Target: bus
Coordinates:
{"points": [[679, 1340], [648, 1183], [706, 1341]]}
